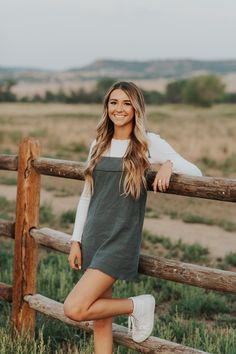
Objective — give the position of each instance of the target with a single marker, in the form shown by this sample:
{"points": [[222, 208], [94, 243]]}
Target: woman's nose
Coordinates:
{"points": [[119, 107]]}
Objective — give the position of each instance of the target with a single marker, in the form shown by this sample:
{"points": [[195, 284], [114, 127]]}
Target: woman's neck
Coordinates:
{"points": [[121, 135]]}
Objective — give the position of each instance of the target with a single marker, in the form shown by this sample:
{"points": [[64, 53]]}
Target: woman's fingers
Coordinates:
{"points": [[75, 261], [161, 183]]}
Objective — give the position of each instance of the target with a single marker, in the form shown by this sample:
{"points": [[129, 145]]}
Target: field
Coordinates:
{"points": [[193, 230]]}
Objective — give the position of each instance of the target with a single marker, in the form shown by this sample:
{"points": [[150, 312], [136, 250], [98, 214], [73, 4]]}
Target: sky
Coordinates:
{"points": [[63, 34]]}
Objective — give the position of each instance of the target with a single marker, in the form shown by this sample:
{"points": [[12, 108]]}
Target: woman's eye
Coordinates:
{"points": [[128, 104]]}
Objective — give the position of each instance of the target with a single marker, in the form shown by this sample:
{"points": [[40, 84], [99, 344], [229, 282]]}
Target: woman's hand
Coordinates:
{"points": [[74, 257], [162, 178]]}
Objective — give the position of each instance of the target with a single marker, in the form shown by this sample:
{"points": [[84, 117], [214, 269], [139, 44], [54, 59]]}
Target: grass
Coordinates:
{"points": [[46, 215], [231, 259], [10, 181], [68, 217], [227, 166], [190, 218], [179, 249], [183, 312], [7, 209], [188, 315]]}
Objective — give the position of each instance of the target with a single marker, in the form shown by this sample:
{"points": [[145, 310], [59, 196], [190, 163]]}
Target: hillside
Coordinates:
{"points": [[155, 69], [150, 75], [122, 68]]}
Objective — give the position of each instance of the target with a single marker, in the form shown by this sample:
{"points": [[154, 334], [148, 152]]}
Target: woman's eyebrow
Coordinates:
{"points": [[114, 99]]}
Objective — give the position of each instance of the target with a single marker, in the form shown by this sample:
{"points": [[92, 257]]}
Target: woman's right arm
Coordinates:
{"points": [[80, 219]]}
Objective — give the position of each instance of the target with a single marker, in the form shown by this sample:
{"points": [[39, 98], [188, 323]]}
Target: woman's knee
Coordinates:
{"points": [[74, 312]]}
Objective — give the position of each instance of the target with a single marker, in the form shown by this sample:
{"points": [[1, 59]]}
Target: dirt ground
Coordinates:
{"points": [[218, 241]]}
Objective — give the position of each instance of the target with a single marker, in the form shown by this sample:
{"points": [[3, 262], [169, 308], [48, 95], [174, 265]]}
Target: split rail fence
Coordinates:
{"points": [[28, 235]]}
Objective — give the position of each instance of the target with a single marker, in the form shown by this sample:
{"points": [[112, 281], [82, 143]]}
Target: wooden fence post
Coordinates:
{"points": [[25, 249]]}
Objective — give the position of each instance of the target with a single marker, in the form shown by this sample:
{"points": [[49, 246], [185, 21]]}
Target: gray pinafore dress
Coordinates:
{"points": [[112, 232]]}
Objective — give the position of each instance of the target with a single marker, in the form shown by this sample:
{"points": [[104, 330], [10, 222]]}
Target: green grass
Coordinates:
{"points": [[231, 259], [46, 215], [7, 209], [183, 311], [226, 167], [10, 181], [199, 219], [68, 217], [150, 213], [178, 249]]}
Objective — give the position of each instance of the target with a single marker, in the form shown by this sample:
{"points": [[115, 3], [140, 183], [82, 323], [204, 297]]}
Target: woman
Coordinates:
{"points": [[109, 219]]}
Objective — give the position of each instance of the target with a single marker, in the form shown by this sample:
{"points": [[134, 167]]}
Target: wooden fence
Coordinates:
{"points": [[28, 235]]}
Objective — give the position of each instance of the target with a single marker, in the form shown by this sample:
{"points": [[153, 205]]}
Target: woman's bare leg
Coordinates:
{"points": [[102, 330], [84, 302]]}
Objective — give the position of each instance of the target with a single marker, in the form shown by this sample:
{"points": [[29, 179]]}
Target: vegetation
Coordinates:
{"points": [[200, 91], [183, 312], [203, 90]]}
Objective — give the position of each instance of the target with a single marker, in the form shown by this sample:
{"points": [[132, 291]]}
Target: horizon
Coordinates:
{"points": [[23, 67]]}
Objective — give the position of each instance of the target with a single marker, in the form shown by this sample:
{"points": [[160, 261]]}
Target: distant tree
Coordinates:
{"points": [[6, 95], [101, 88], [229, 97], [174, 91], [61, 95], [37, 98], [24, 99], [154, 97], [49, 96], [203, 90]]}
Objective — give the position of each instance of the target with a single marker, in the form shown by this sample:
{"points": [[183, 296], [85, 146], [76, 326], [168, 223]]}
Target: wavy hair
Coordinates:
{"points": [[135, 161]]}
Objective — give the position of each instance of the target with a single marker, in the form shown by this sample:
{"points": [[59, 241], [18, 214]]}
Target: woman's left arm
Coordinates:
{"points": [[164, 154]]}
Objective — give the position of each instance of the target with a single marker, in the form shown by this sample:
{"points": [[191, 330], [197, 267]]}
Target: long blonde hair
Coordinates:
{"points": [[135, 161]]}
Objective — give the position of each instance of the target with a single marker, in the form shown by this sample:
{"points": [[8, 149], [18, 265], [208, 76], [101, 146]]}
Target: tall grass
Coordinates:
{"points": [[183, 312]]}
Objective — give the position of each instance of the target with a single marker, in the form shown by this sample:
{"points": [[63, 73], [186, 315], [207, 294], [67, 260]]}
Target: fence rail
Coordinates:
{"points": [[27, 236]]}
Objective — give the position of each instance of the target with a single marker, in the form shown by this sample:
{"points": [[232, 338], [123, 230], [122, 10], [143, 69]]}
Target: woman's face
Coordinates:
{"points": [[120, 109]]}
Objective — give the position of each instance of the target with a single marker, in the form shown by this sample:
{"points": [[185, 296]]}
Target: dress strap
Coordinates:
{"points": [[149, 155]]}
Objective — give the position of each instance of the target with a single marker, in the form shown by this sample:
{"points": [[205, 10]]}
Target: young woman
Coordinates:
{"points": [[109, 219]]}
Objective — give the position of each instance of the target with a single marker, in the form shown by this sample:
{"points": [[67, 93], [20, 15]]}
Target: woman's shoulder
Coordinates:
{"points": [[153, 137]]}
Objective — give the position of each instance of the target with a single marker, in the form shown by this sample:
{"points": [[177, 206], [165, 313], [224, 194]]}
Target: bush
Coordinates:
{"points": [[203, 90], [174, 91]]}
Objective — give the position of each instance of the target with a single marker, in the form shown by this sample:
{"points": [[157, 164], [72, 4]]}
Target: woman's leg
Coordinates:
{"points": [[84, 302], [102, 330]]}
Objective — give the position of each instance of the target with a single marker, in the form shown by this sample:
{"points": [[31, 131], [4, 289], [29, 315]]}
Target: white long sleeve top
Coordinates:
{"points": [[160, 151]]}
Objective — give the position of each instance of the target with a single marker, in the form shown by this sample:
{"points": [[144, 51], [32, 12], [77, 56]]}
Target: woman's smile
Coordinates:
{"points": [[120, 109]]}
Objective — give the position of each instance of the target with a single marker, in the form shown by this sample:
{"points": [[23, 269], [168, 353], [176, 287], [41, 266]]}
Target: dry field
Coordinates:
{"points": [[204, 136], [69, 81]]}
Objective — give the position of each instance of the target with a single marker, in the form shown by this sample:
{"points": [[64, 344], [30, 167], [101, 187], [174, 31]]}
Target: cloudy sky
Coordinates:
{"points": [[60, 34]]}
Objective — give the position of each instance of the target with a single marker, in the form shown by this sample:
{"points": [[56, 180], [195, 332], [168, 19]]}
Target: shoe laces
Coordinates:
{"points": [[130, 323], [134, 324]]}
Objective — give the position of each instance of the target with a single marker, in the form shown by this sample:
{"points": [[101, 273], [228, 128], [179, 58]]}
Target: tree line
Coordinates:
{"points": [[203, 90]]}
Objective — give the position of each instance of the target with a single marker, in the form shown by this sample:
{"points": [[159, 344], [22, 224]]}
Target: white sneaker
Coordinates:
{"points": [[142, 317]]}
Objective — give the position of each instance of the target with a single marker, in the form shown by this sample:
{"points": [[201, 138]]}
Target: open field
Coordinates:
{"points": [[188, 315], [204, 136]]}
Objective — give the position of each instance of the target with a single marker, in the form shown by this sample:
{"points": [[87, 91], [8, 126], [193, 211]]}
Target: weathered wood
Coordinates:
{"points": [[186, 273], [9, 162], [59, 168], [7, 228], [53, 239], [25, 251], [5, 292], [121, 336], [191, 274], [215, 188], [200, 187]]}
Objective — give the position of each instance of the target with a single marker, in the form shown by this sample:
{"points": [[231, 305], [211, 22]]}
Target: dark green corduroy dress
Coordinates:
{"points": [[112, 232]]}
